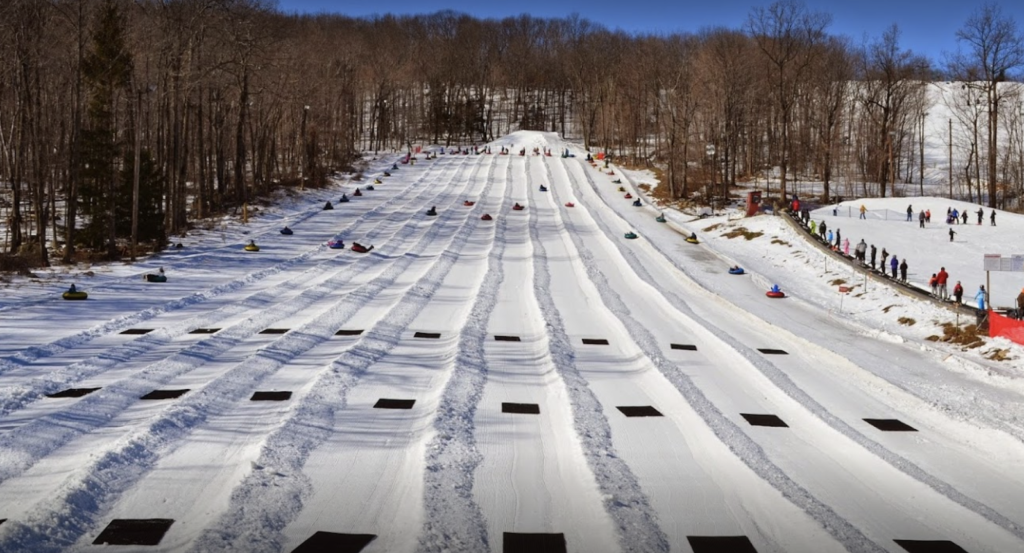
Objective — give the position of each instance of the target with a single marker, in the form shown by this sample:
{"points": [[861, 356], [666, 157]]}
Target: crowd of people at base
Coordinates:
{"points": [[898, 268]]}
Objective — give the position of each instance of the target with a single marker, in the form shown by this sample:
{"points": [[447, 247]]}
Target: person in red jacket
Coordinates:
{"points": [[940, 278]]}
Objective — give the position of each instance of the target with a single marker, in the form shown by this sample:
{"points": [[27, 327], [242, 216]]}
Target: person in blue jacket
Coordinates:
{"points": [[894, 264], [775, 289], [980, 297]]}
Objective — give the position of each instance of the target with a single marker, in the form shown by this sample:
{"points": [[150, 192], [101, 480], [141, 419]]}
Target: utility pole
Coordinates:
{"points": [[135, 173], [951, 158]]}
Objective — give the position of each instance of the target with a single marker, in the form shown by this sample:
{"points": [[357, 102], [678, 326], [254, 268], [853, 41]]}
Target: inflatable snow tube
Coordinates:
{"points": [[630, 235], [517, 207], [570, 204], [336, 245], [621, 189], [431, 213], [343, 199], [370, 187], [637, 203], [156, 278], [543, 188], [328, 206], [628, 196], [468, 203], [486, 217], [75, 295], [771, 294], [252, 248], [286, 231], [357, 193], [736, 270], [359, 248], [692, 240], [378, 181], [660, 219]]}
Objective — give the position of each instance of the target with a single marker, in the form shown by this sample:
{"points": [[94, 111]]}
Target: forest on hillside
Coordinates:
{"points": [[127, 121]]}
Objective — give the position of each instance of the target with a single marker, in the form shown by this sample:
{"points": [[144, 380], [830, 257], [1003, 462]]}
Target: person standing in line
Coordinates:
{"points": [[940, 279], [846, 247], [821, 229], [1020, 304], [903, 270], [958, 293], [814, 228], [981, 214], [980, 297], [838, 238], [894, 264], [951, 233], [920, 218], [830, 238], [885, 255], [934, 283], [874, 251], [910, 212]]}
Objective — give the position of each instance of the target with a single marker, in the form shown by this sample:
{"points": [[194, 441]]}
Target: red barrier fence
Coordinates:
{"points": [[1005, 327]]}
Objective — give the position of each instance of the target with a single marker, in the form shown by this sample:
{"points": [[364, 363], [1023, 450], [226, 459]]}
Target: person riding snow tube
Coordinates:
{"points": [[286, 231], [486, 217], [386, 174], [736, 270], [159, 276], [359, 248], [252, 247], [692, 238], [570, 204], [631, 235], [344, 199], [74, 293], [328, 205], [357, 192], [621, 189], [628, 196], [660, 218], [617, 181], [370, 187], [432, 212], [637, 203], [543, 188], [517, 207], [775, 292], [378, 181], [336, 245], [468, 203]]}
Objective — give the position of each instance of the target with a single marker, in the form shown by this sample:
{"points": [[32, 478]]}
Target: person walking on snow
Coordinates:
{"points": [[958, 293], [980, 297], [920, 218], [874, 251], [993, 217], [927, 215], [846, 247], [821, 229], [903, 270], [940, 278], [839, 238], [963, 216], [863, 211], [981, 214], [934, 284], [885, 255], [910, 212], [951, 233], [893, 265], [830, 238], [862, 250], [1020, 304], [814, 228]]}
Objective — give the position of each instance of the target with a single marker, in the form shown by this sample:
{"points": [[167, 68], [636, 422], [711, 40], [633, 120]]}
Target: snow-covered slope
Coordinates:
{"points": [[533, 382]]}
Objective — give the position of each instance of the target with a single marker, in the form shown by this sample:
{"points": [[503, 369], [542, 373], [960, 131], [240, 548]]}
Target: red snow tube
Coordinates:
{"points": [[357, 193], [771, 294], [359, 248], [570, 204], [486, 217], [517, 207], [468, 203], [628, 196]]}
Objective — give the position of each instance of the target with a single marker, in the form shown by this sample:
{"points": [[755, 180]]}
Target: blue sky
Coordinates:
{"points": [[927, 28]]}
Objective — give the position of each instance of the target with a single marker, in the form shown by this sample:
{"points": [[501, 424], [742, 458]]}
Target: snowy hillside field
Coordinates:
{"points": [[532, 382]]}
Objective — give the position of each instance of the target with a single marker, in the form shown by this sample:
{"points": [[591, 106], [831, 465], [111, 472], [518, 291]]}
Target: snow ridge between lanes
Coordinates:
{"points": [[453, 518], [56, 524], [732, 435], [625, 501], [272, 495], [783, 382]]}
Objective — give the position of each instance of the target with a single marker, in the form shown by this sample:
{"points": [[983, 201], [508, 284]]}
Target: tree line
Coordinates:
{"points": [[123, 122]]}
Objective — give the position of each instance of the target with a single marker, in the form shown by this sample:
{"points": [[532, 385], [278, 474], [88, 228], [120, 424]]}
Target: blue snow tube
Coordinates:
{"points": [[736, 270]]}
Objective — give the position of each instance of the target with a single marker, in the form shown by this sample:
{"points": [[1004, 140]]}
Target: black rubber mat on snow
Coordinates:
{"points": [[348, 333], [134, 531], [720, 544], [764, 420], [205, 331], [165, 394], [384, 403], [521, 408], [507, 338], [433, 335], [595, 342], [770, 351], [73, 392], [137, 331], [890, 425], [270, 396], [274, 330], [330, 542], [688, 347], [639, 411], [930, 546], [533, 543]]}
